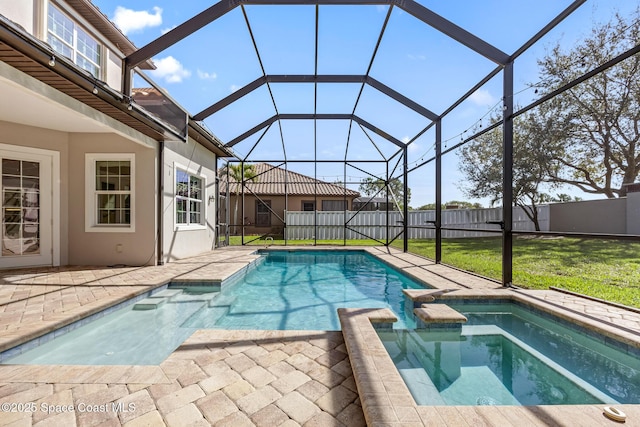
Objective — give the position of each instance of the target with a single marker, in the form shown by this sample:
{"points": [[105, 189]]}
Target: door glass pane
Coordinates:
{"points": [[11, 198], [31, 169], [10, 167], [20, 207]]}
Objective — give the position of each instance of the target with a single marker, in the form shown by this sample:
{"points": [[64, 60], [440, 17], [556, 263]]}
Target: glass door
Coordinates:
{"points": [[26, 210]]}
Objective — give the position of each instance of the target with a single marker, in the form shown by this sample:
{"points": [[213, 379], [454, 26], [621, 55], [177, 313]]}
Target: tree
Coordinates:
{"points": [[481, 162], [375, 186], [237, 173], [591, 132]]}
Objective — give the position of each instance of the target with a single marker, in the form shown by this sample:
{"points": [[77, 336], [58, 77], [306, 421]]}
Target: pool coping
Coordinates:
{"points": [[386, 400]]}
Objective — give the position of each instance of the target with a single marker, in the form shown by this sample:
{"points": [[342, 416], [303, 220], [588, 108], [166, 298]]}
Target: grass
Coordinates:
{"points": [[606, 269]]}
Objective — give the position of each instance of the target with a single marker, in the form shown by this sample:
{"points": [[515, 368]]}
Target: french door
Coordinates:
{"points": [[27, 207]]}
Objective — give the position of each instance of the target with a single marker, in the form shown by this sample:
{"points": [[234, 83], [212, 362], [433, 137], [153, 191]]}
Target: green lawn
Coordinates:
{"points": [[606, 269]]}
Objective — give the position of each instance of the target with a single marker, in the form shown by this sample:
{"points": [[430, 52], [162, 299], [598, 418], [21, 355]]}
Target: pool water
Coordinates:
{"points": [[285, 290], [302, 290], [509, 355]]}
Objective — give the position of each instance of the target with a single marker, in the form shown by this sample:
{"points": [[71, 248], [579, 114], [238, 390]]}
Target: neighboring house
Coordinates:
{"points": [[90, 175], [265, 202]]}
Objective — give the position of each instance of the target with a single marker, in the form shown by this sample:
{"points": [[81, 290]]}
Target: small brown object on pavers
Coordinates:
{"points": [[439, 313]]}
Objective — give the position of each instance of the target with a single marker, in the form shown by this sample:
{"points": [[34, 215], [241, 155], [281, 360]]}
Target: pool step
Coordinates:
{"points": [[149, 303], [216, 309], [422, 388], [193, 297], [438, 315], [167, 293], [200, 287]]}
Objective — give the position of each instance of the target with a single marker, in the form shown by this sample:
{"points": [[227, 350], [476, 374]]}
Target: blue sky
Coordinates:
{"points": [[413, 59]]}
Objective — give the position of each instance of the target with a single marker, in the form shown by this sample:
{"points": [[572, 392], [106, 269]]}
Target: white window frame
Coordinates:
{"points": [[74, 47], [203, 210], [91, 194]]}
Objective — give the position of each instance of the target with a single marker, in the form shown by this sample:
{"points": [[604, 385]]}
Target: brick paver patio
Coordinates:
{"points": [[216, 377]]}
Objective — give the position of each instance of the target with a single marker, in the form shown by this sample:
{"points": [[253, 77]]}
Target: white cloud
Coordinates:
{"points": [[206, 76], [482, 97], [413, 147], [170, 69], [166, 30], [234, 88], [418, 57], [130, 21]]}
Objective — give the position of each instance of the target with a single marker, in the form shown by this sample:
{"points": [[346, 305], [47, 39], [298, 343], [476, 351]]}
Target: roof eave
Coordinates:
{"points": [[208, 140]]}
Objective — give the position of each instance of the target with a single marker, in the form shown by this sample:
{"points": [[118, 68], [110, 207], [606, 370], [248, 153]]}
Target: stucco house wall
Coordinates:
{"points": [[278, 205], [180, 241], [19, 135], [120, 247]]}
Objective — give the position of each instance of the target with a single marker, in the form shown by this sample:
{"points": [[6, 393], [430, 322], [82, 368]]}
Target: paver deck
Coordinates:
{"points": [[237, 378]]}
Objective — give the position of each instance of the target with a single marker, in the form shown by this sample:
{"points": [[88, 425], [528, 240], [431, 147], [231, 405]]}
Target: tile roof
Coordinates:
{"points": [[271, 180]]}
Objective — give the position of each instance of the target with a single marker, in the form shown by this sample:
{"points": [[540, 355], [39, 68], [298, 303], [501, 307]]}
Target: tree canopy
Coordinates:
{"points": [[587, 137], [481, 162], [591, 133], [375, 187]]}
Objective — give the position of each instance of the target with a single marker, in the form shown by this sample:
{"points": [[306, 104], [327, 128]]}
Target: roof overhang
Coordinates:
{"points": [[31, 56]]}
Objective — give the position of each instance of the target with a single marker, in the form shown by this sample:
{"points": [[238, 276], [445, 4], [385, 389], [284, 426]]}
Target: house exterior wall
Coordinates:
{"points": [[101, 248], [20, 12], [278, 205], [180, 241], [32, 15], [29, 136], [591, 216]]}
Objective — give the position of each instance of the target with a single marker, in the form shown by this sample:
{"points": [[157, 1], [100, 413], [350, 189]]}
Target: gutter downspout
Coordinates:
{"points": [[160, 240]]}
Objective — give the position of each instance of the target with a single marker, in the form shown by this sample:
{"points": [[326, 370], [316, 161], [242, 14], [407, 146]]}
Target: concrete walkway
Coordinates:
{"points": [[217, 377]]}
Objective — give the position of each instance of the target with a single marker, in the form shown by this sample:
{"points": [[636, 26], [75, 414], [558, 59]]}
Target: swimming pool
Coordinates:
{"points": [[284, 290], [508, 354], [302, 290]]}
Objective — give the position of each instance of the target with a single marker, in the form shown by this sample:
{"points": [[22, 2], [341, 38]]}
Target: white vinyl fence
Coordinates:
{"points": [[363, 225]]}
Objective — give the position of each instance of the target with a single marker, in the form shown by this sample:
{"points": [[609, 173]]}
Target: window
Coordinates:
{"points": [[308, 206], [109, 188], [334, 205], [68, 39], [263, 213], [189, 198]]}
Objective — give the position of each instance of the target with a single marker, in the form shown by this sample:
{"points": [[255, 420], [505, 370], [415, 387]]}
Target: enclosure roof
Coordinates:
{"points": [[268, 68]]}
